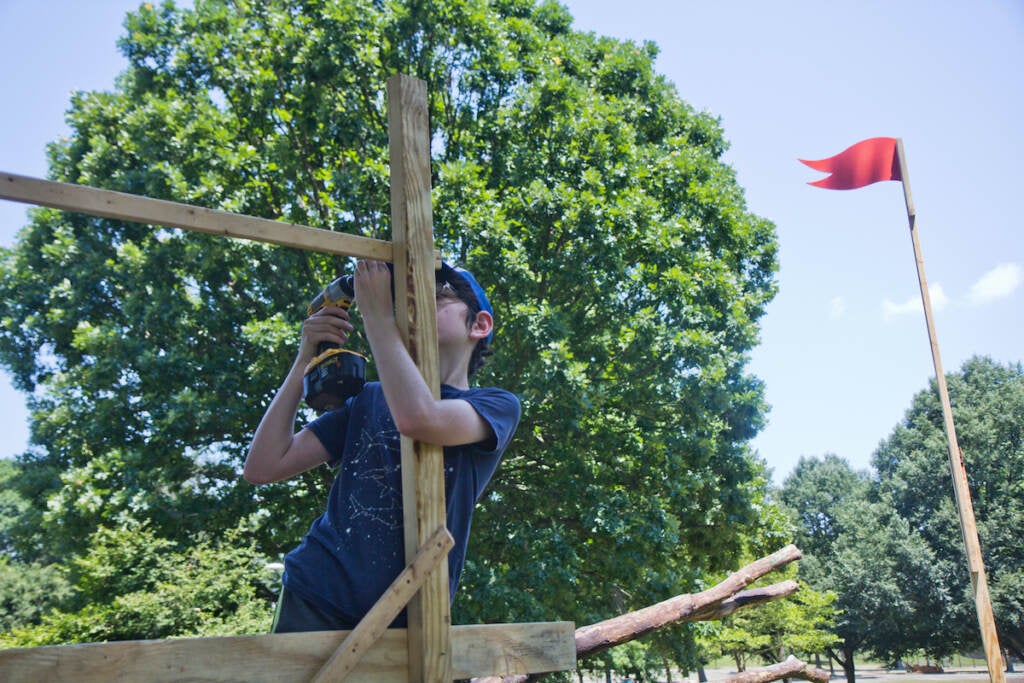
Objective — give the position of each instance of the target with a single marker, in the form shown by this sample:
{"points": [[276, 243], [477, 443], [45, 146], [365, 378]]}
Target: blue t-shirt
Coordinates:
{"points": [[354, 550]]}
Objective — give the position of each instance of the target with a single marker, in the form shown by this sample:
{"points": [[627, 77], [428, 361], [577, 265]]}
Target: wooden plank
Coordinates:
{"points": [[422, 464], [137, 209], [512, 649], [481, 650], [372, 626]]}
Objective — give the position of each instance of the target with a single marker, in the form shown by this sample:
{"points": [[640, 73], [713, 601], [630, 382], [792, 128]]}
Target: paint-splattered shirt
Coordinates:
{"points": [[354, 550]]}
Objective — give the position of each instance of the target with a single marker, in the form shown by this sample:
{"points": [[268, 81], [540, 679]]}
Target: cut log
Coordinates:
{"points": [[715, 603], [791, 668], [705, 606]]}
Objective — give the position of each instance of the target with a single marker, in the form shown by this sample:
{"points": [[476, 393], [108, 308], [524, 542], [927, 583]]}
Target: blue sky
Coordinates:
{"points": [[843, 347]]}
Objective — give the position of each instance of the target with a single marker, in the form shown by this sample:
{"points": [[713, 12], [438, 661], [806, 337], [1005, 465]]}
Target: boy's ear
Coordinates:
{"points": [[482, 326]]}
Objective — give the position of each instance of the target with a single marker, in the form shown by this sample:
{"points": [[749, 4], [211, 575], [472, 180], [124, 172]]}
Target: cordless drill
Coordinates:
{"points": [[335, 374]]}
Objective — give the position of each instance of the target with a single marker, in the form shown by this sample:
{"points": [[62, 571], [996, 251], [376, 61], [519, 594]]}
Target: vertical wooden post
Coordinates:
{"points": [[961, 491], [422, 464]]}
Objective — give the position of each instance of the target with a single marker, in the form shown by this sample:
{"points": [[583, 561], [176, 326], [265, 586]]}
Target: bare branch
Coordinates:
{"points": [[715, 603], [702, 606]]}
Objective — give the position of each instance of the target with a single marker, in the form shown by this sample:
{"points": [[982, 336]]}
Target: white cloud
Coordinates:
{"points": [[913, 305], [836, 308], [997, 283]]}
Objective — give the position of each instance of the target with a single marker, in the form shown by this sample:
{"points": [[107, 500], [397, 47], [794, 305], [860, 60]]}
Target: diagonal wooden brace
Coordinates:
{"points": [[395, 598]]}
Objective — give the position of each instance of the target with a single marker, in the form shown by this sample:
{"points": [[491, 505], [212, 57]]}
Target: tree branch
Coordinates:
{"points": [[752, 597], [715, 603], [704, 606]]}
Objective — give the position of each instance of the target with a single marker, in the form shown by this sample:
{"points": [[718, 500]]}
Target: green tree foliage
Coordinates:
{"points": [[815, 491], [913, 468], [132, 584], [28, 592], [590, 200], [890, 586], [891, 547], [12, 505]]}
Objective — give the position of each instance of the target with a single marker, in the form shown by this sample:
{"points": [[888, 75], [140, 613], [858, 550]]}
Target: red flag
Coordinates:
{"points": [[868, 161]]}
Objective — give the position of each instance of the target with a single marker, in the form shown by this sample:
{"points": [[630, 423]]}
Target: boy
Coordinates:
{"points": [[355, 549]]}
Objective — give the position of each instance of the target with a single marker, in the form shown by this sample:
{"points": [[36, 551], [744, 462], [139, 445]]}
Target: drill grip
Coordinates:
{"points": [[335, 374]]}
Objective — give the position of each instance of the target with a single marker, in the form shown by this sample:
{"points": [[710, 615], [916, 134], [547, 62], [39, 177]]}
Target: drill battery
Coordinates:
{"points": [[332, 378]]}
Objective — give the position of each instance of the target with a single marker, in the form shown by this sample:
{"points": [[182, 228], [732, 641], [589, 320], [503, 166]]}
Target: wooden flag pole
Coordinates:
{"points": [[965, 508]]}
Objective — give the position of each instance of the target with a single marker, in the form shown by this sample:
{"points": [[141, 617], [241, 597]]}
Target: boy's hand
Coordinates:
{"points": [[329, 324], [373, 290]]}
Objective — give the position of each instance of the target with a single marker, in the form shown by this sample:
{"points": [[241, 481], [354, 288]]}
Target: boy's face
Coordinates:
{"points": [[452, 314], [455, 316]]}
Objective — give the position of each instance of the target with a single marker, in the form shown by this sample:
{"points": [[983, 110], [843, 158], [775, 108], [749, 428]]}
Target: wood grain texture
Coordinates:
{"points": [[488, 650], [422, 464], [138, 209], [958, 472]]}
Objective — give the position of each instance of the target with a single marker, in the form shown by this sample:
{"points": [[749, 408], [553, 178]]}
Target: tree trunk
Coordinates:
{"points": [[846, 663], [1013, 640], [848, 668]]}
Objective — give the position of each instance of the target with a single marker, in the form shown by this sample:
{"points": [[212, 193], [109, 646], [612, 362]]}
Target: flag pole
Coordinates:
{"points": [[962, 493]]}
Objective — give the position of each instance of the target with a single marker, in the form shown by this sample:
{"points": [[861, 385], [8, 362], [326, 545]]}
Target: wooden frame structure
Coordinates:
{"points": [[430, 650]]}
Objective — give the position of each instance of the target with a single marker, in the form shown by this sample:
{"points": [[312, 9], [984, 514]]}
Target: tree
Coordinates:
{"points": [[890, 588], [28, 590], [591, 201], [913, 468], [891, 547], [800, 624], [881, 571], [12, 505], [815, 491]]}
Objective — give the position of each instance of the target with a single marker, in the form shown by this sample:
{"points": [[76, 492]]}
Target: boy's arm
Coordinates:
{"points": [[417, 414], [277, 452]]}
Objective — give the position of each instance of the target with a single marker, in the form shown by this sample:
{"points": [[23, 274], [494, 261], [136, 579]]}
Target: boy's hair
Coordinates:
{"points": [[465, 292]]}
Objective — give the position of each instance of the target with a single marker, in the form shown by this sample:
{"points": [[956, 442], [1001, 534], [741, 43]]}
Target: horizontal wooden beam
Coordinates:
{"points": [[478, 650], [137, 209]]}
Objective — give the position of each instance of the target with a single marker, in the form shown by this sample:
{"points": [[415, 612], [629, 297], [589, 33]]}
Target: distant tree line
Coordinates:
{"points": [[889, 545]]}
